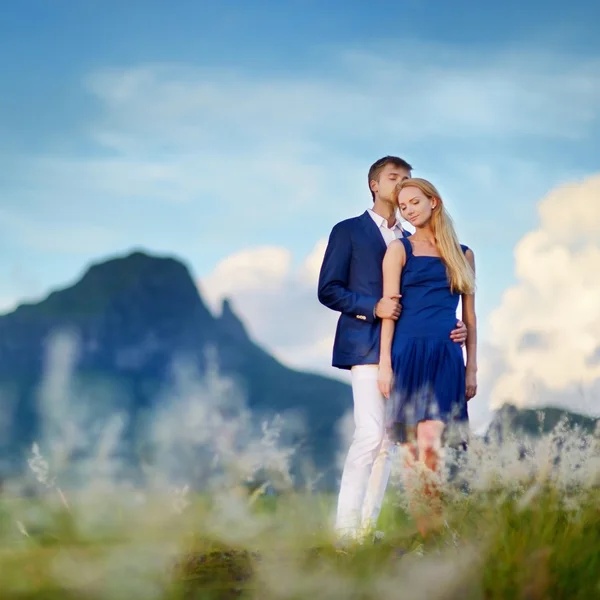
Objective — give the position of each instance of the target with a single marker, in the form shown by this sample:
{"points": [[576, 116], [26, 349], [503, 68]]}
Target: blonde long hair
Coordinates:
{"points": [[461, 276]]}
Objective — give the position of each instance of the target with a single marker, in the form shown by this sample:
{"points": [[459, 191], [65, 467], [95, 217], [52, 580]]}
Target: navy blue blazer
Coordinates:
{"points": [[351, 282]]}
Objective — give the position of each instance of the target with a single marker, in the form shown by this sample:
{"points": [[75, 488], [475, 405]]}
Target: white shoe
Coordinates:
{"points": [[378, 537], [347, 539]]}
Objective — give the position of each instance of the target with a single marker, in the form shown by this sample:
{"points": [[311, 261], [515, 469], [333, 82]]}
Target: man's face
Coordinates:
{"points": [[388, 178]]}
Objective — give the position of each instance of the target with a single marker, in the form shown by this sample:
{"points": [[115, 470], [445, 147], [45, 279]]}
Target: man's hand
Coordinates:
{"points": [[384, 380], [459, 335], [389, 308], [471, 384]]}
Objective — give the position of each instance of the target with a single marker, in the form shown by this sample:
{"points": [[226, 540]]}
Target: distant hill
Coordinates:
{"points": [[134, 316], [536, 421]]}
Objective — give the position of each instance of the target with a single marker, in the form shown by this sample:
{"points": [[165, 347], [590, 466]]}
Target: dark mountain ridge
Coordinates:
{"points": [[538, 421], [134, 317]]}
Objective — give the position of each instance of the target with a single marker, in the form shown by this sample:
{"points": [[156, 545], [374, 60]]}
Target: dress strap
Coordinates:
{"points": [[407, 246], [464, 248]]}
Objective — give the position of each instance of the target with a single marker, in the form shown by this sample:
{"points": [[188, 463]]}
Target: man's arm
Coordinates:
{"points": [[459, 335], [333, 289]]}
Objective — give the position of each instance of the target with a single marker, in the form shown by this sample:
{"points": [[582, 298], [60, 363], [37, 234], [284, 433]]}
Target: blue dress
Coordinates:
{"points": [[428, 367]]}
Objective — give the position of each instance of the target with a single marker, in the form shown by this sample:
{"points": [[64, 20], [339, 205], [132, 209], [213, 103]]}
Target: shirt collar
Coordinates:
{"points": [[381, 222]]}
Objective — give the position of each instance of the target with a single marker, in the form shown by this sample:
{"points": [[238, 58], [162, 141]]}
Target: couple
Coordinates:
{"points": [[399, 336]]}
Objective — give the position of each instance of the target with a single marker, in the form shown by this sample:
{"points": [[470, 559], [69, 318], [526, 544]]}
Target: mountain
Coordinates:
{"points": [[536, 421], [134, 316]]}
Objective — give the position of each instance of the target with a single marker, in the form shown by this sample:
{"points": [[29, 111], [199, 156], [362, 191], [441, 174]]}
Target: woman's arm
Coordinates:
{"points": [[393, 262], [470, 320]]}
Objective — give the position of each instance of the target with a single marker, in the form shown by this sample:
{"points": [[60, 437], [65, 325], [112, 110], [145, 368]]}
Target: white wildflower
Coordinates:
{"points": [[180, 498], [22, 529], [40, 467]]}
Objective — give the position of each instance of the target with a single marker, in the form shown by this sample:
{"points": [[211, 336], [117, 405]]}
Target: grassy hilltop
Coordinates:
{"points": [[526, 528]]}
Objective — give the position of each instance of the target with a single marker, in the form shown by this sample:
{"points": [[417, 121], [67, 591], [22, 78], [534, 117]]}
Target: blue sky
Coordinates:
{"points": [[207, 129]]}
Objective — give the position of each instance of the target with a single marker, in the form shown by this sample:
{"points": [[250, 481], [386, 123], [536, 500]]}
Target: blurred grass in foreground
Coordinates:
{"points": [[529, 528], [532, 542]]}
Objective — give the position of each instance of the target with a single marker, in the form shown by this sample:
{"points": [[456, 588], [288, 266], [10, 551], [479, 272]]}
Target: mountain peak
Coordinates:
{"points": [[231, 323], [132, 312], [137, 278]]}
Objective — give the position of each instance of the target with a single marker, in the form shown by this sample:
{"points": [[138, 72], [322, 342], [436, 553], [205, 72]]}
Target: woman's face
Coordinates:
{"points": [[415, 206]]}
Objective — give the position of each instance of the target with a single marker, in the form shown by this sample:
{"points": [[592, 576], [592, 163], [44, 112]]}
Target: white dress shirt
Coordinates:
{"points": [[389, 233]]}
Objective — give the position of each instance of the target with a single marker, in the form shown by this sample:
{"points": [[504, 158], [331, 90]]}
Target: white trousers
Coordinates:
{"points": [[368, 463]]}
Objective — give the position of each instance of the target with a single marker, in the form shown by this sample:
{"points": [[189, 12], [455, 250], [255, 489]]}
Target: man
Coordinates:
{"points": [[351, 283]]}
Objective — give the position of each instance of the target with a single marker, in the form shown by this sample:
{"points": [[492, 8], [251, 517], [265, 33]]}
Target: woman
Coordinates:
{"points": [[420, 368]]}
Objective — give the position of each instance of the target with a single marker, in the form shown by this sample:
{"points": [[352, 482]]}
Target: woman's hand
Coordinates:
{"points": [[385, 377], [471, 384]]}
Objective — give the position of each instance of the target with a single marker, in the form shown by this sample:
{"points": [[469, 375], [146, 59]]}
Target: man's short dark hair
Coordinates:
{"points": [[380, 164]]}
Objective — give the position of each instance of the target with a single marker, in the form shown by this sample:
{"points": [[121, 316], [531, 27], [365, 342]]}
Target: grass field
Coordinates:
{"points": [[526, 529]]}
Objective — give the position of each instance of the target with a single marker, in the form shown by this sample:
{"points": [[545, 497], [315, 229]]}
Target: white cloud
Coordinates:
{"points": [[8, 304], [444, 91], [449, 93], [278, 303], [548, 324], [260, 269], [254, 142], [309, 271]]}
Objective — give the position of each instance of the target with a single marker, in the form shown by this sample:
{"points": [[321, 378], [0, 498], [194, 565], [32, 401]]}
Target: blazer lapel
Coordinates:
{"points": [[372, 230]]}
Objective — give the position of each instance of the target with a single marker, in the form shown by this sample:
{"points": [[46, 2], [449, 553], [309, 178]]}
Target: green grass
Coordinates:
{"points": [[537, 543]]}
